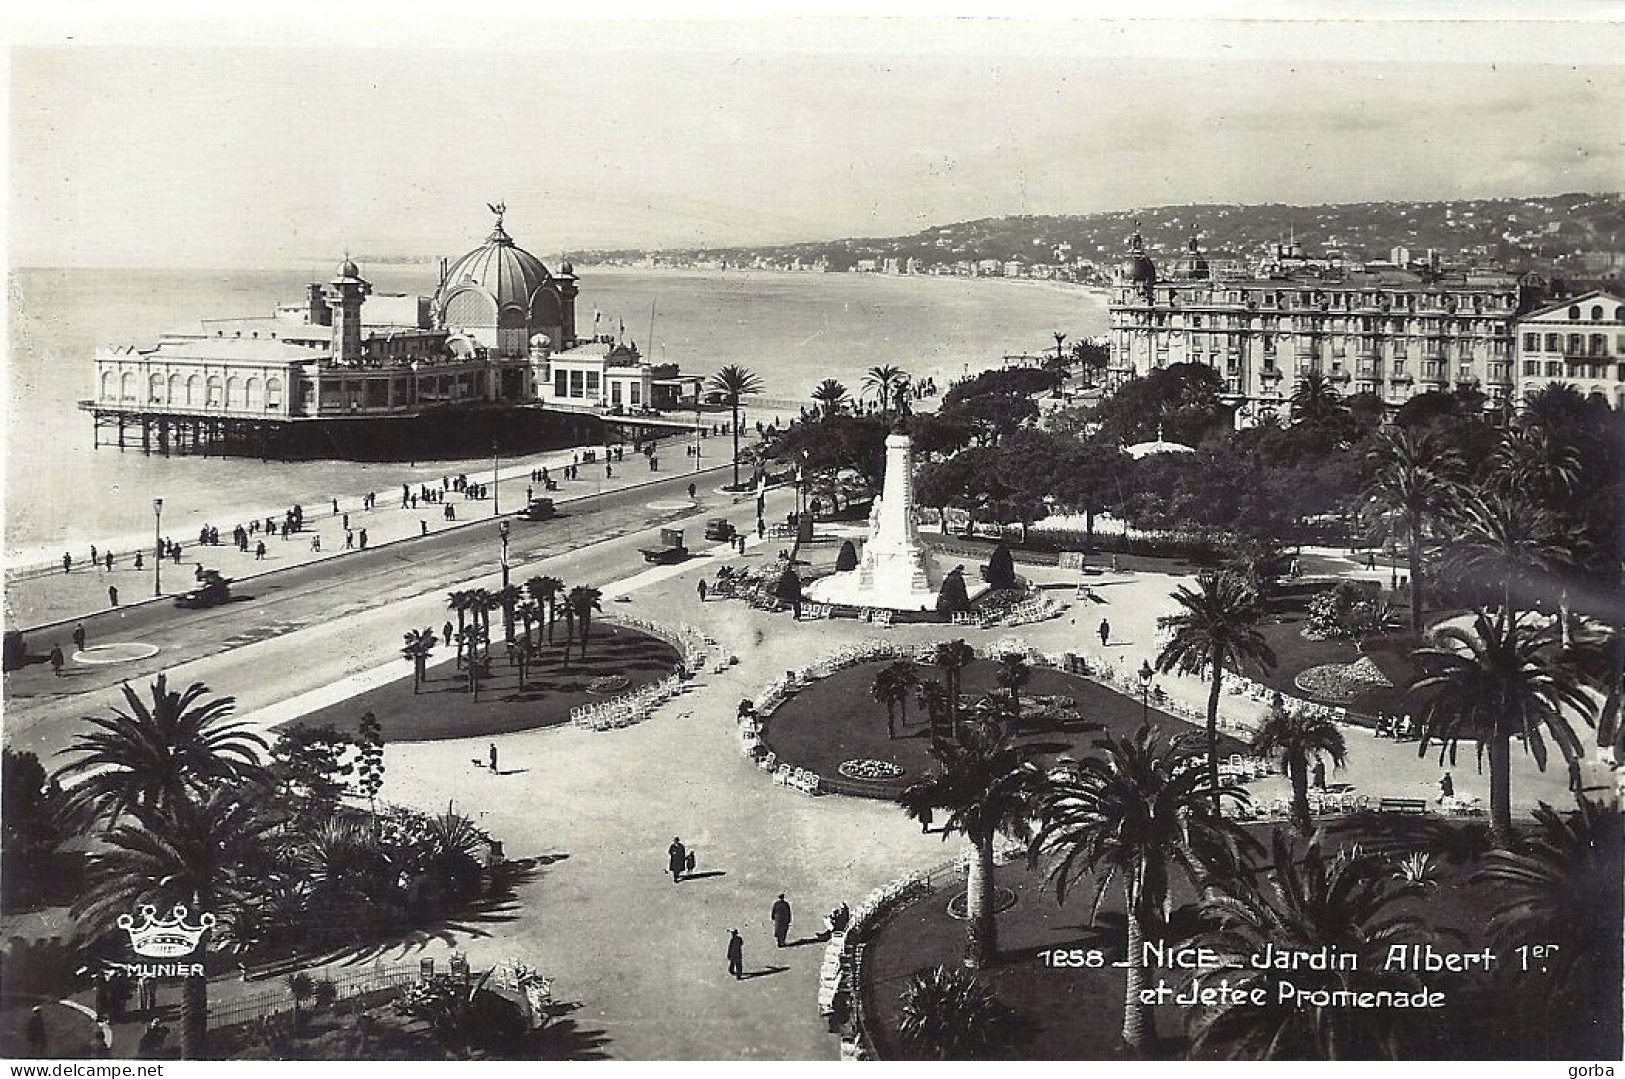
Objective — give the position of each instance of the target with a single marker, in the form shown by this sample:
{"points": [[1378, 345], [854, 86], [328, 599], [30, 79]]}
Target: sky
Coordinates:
{"points": [[175, 142]]}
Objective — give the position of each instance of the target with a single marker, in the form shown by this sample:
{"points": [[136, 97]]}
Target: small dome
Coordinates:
{"points": [[348, 268], [1137, 268], [1191, 264], [540, 340], [567, 270]]}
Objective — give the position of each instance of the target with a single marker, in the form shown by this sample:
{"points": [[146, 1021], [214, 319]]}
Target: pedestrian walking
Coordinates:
{"points": [[1447, 787], [259, 551], [112, 595], [138, 560], [79, 636], [691, 490], [67, 562], [349, 540], [423, 527], [736, 954], [363, 538], [316, 544], [107, 560], [1105, 632], [926, 819], [676, 859], [335, 507], [346, 521], [493, 754], [93, 557], [57, 660], [781, 920], [700, 588], [1320, 774]]}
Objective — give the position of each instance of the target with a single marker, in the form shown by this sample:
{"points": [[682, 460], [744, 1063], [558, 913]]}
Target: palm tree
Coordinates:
{"points": [[1562, 886], [1493, 681], [584, 601], [1291, 738], [460, 601], [953, 657], [1315, 400], [1125, 815], [933, 698], [546, 591], [878, 381], [1411, 479], [734, 383], [157, 756], [1533, 461], [831, 395], [986, 782], [528, 611], [480, 602], [907, 674], [1347, 904], [190, 852], [301, 987], [419, 644], [1216, 628], [1505, 538], [1554, 407], [506, 599], [1012, 675], [888, 691], [947, 1014]]}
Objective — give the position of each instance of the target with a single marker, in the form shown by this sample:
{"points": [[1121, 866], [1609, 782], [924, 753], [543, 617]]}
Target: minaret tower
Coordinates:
{"points": [[344, 295]]}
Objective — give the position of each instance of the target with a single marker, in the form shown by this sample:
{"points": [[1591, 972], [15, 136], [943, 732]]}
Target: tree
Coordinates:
{"points": [[933, 699], [986, 783], [1315, 400], [907, 676], [1309, 904], [888, 691], [1013, 674], [546, 591], [992, 416], [847, 559], [1562, 886], [733, 383], [1126, 815], [830, 395], [952, 597], [1505, 539], [182, 851], [370, 741], [528, 611], [301, 987], [419, 644], [1411, 479], [311, 763], [1001, 567], [159, 755], [460, 601], [1086, 479], [1216, 628], [787, 588], [506, 600], [584, 601], [949, 1015], [878, 382], [1292, 738], [30, 825], [1490, 682], [952, 657]]}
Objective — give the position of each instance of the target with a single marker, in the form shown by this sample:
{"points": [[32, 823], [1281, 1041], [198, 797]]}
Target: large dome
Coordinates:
{"points": [[501, 294], [1137, 268], [496, 275]]}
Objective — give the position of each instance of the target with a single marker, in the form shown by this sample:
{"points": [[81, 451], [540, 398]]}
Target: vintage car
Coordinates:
{"points": [[540, 509], [671, 548], [212, 591], [720, 528]]}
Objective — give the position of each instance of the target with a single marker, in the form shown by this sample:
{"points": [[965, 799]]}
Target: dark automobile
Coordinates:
{"points": [[213, 591], [719, 528], [540, 509]]}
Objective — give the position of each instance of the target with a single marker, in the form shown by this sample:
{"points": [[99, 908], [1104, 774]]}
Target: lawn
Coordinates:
{"points": [[444, 708], [1076, 1014], [1295, 654], [836, 720]]}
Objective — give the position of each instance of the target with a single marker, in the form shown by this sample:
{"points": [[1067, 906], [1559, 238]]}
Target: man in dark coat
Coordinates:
{"points": [[677, 859], [736, 954], [79, 636], [781, 920]]}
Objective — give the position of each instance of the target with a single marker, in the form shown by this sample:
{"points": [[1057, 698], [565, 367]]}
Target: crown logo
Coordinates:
{"points": [[165, 938]]}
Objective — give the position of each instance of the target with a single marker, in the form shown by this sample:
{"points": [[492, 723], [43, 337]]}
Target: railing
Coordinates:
{"points": [[276, 999]]}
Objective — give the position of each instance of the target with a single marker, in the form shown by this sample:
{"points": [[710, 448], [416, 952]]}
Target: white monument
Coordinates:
{"points": [[896, 570]]}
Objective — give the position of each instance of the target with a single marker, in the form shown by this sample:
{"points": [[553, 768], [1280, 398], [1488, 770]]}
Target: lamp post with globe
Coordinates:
{"points": [[158, 546], [1146, 674]]}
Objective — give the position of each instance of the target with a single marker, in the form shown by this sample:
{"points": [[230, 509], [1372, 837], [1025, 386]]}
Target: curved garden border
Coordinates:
{"points": [[635, 707]]}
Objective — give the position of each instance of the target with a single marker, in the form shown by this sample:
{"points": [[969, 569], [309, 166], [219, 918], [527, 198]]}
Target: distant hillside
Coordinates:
{"points": [[1557, 231]]}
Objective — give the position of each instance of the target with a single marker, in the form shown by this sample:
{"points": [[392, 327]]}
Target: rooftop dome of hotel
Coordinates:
{"points": [[1137, 268], [497, 276]]}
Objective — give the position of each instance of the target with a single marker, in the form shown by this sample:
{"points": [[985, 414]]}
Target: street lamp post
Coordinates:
{"points": [[507, 603], [1146, 674], [696, 432], [158, 546], [496, 481]]}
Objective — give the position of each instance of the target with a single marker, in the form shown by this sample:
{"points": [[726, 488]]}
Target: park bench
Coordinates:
{"points": [[1402, 805]]}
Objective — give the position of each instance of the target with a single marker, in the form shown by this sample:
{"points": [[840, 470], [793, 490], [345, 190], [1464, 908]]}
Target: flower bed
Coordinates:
{"points": [[870, 769], [612, 683], [1340, 682]]}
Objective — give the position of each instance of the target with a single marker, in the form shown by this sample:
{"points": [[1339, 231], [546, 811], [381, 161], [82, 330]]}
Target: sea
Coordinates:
{"points": [[792, 329]]}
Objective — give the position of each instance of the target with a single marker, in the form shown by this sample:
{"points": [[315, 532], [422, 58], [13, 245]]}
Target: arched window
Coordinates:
{"points": [[1596, 313], [126, 386], [1574, 314], [216, 392], [255, 395], [155, 389], [176, 390], [107, 386], [234, 392], [194, 391], [273, 393]]}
